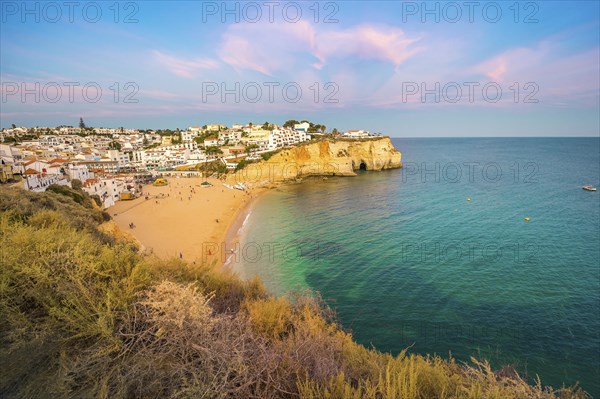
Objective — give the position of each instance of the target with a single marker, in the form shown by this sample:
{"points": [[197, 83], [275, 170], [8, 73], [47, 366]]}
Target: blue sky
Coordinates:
{"points": [[407, 69]]}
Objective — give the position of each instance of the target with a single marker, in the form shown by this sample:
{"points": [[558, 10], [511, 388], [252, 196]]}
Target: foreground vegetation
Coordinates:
{"points": [[83, 314]]}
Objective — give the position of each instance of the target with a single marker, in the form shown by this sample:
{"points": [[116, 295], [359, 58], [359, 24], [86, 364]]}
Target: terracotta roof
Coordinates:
{"points": [[89, 182], [30, 171], [58, 160]]}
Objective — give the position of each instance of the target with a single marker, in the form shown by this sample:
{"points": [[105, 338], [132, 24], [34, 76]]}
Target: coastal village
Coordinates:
{"points": [[114, 164]]}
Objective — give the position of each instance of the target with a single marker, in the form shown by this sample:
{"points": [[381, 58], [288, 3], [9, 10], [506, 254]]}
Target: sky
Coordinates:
{"points": [[401, 68]]}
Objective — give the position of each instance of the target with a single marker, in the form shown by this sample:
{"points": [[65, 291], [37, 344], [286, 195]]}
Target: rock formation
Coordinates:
{"points": [[339, 157]]}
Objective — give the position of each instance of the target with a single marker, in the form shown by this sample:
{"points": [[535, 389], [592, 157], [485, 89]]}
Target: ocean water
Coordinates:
{"points": [[408, 262]]}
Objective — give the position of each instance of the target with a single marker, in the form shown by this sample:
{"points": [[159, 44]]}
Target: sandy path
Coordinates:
{"points": [[176, 220]]}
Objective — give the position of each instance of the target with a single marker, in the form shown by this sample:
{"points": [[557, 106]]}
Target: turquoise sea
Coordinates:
{"points": [[408, 262]]}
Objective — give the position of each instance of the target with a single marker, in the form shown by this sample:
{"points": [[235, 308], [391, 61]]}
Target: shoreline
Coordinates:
{"points": [[231, 238], [184, 220], [214, 245]]}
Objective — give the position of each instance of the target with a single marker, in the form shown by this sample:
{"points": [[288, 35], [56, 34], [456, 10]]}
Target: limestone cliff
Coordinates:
{"points": [[340, 157]]}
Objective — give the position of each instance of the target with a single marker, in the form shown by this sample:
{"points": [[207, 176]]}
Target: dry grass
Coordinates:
{"points": [[83, 315]]}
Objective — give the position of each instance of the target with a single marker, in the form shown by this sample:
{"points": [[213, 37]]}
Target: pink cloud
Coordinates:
{"points": [[267, 48], [186, 68], [368, 42], [562, 77], [510, 63]]}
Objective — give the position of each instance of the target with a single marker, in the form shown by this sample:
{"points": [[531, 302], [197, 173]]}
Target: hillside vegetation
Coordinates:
{"points": [[84, 315]]}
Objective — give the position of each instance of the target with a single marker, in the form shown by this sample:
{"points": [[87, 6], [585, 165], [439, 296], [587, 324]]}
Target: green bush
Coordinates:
{"points": [[67, 191], [267, 155], [76, 184]]}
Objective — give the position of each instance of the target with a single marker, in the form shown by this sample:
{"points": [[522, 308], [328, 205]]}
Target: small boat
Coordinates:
{"points": [[589, 187], [238, 187], [228, 186]]}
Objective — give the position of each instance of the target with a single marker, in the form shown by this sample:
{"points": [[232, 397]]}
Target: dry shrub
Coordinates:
{"points": [[271, 318], [229, 292], [172, 307], [110, 323], [175, 345], [418, 377]]}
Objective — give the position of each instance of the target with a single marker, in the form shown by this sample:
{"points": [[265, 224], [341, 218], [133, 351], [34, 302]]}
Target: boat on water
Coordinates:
{"points": [[589, 187]]}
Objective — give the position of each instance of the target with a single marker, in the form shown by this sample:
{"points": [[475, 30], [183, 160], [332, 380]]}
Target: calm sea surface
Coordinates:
{"points": [[407, 261]]}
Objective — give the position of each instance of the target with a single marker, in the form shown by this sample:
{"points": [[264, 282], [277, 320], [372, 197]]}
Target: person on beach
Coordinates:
{"points": [[180, 255]]}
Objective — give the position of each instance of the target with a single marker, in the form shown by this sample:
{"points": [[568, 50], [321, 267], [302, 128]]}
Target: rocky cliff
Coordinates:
{"points": [[340, 157]]}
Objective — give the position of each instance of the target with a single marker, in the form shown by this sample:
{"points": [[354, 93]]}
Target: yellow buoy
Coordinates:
{"points": [[527, 219], [468, 199]]}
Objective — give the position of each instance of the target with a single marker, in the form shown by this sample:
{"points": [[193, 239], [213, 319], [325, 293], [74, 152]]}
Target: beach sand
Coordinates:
{"points": [[184, 219]]}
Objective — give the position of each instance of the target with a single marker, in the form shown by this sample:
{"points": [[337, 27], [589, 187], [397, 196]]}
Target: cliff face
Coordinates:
{"points": [[340, 157]]}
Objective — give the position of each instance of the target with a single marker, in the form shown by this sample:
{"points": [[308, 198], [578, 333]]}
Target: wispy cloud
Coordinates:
{"points": [[366, 41], [510, 63], [187, 68], [562, 76], [269, 48]]}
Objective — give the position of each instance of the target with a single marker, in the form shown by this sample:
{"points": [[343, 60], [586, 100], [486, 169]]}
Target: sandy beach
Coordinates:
{"points": [[183, 219]]}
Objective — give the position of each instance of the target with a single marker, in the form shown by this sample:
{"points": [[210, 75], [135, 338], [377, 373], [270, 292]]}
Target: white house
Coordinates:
{"points": [[102, 166], [119, 157], [79, 172], [212, 141], [230, 135], [302, 126], [356, 134], [189, 135], [12, 156], [282, 137], [108, 189], [229, 165], [43, 167], [163, 157], [38, 181]]}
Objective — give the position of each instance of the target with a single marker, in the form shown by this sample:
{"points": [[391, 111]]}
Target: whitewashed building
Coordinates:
{"points": [[12, 156], [108, 189], [79, 172], [356, 134]]}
